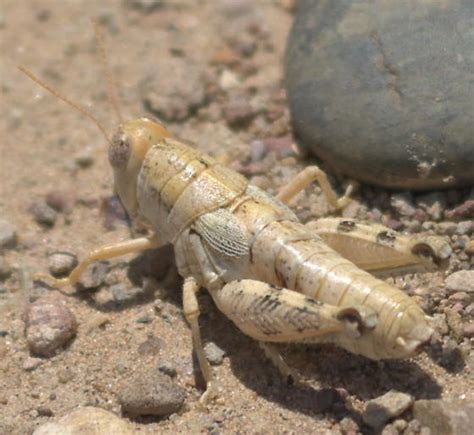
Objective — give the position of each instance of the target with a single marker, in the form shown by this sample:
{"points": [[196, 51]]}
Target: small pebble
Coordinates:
{"points": [[5, 269], [238, 111], [61, 263], [228, 80], [151, 346], [257, 150], [348, 425], [462, 297], [44, 411], [454, 321], [144, 5], [468, 329], [462, 280], [84, 159], [465, 210], [403, 204], [433, 203], [49, 326], [31, 363], [439, 323], [389, 430], [150, 392], [413, 427], [8, 235], [87, 420], [446, 228], [61, 201], [214, 353], [226, 56], [469, 248], [145, 318], [44, 214], [94, 275], [378, 411], [400, 424], [167, 368], [464, 227]]}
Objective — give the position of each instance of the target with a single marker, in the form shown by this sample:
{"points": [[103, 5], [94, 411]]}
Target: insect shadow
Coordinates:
{"points": [[335, 372]]}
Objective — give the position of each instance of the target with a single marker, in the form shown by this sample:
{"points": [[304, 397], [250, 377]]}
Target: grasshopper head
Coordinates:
{"points": [[127, 151]]}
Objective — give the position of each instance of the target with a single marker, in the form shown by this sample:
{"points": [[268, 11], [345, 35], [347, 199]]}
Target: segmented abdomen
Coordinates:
{"points": [[287, 254]]}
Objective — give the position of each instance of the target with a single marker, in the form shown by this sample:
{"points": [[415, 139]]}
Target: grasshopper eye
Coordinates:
{"points": [[119, 151]]}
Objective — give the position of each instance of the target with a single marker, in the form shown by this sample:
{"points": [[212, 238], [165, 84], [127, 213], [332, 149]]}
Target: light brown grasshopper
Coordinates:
{"points": [[276, 278]]}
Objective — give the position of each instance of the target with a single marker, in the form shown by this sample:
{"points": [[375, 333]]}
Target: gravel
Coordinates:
{"points": [[84, 159], [87, 420], [60, 200], [49, 326], [31, 363], [145, 6], [238, 112], [94, 276], [214, 353], [402, 203], [8, 234], [445, 417], [380, 410], [44, 214], [468, 329], [433, 203], [150, 392], [61, 263], [167, 368], [462, 280], [465, 227]]}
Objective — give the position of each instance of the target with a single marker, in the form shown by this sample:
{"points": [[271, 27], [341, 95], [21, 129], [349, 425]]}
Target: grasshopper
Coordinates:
{"points": [[277, 279]]}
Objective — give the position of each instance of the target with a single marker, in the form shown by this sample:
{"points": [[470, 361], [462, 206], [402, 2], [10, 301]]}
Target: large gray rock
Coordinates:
{"points": [[384, 91]]}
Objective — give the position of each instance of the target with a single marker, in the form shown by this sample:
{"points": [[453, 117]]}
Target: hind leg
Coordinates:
{"points": [[380, 250], [271, 314]]}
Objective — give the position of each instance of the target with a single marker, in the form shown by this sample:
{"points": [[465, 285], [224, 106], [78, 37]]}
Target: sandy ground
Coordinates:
{"points": [[42, 145]]}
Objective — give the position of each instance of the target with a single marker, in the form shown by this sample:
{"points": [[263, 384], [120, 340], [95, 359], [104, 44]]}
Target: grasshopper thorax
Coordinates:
{"points": [[127, 151]]}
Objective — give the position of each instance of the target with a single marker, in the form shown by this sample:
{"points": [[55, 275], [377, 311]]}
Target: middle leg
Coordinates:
{"points": [[305, 178]]}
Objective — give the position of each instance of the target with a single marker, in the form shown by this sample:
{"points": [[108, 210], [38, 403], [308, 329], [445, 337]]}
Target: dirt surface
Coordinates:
{"points": [[213, 71]]}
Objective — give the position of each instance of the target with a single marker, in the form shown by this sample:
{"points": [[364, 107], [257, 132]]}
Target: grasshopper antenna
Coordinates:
{"points": [[114, 98], [57, 94]]}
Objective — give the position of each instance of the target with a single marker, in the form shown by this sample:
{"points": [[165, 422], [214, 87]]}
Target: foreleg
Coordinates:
{"points": [[104, 253]]}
